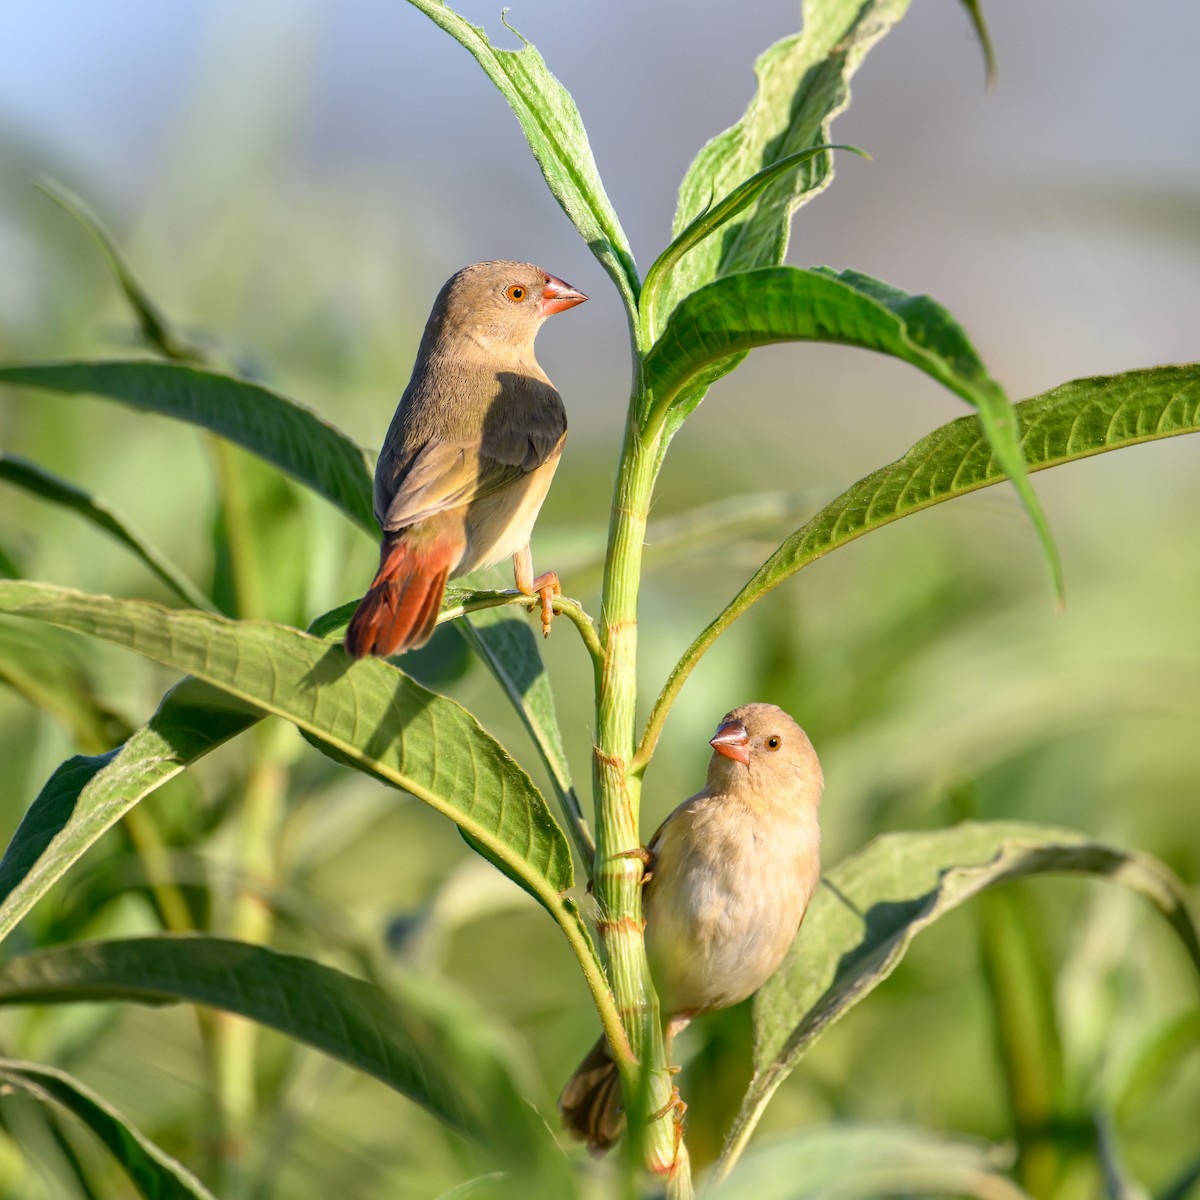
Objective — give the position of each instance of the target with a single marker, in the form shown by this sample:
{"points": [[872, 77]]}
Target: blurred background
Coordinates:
{"points": [[293, 182]]}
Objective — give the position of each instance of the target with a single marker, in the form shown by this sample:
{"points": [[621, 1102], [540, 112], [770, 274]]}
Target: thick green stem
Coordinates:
{"points": [[619, 869]]}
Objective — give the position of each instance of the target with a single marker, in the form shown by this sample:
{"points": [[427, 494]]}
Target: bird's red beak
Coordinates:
{"points": [[558, 296], [732, 740]]}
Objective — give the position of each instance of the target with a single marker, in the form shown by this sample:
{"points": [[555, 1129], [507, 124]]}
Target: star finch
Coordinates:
{"points": [[729, 877], [469, 455]]}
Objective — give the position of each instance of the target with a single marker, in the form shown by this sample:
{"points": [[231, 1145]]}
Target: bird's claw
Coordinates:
{"points": [[676, 1102], [546, 587]]}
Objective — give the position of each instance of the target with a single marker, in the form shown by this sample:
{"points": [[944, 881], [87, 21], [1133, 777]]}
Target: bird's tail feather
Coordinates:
{"points": [[590, 1104], [400, 609]]}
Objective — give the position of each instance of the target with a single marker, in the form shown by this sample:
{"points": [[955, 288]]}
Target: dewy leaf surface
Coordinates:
{"points": [[874, 903], [288, 435], [155, 1174], [555, 133], [426, 1042], [366, 713]]}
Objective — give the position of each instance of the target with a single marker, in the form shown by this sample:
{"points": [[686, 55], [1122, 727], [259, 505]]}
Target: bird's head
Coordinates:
{"points": [[501, 303], [761, 746]]}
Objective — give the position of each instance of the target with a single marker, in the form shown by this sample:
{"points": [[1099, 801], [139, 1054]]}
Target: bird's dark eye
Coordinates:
{"points": [[773, 743], [515, 292]]}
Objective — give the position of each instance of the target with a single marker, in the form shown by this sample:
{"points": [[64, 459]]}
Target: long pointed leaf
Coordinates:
{"points": [[22, 473], [156, 330], [292, 437], [1070, 422], [367, 714], [46, 667], [554, 129], [778, 304], [820, 1162], [426, 1042], [87, 795], [712, 218], [861, 923], [507, 645], [155, 1174], [803, 83]]}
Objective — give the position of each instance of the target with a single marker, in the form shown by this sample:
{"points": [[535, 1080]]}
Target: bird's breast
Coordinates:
{"points": [[724, 903]]}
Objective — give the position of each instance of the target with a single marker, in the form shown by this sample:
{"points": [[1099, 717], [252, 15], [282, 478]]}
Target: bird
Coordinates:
{"points": [[729, 876], [469, 454]]}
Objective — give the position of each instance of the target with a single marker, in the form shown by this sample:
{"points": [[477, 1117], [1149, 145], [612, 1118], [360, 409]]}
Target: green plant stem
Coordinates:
{"points": [[250, 920], [563, 606], [619, 869]]}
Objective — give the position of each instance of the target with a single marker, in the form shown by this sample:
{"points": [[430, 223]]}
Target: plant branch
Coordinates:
{"points": [[563, 605]]}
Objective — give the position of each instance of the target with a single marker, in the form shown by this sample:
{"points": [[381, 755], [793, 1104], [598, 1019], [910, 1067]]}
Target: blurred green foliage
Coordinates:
{"points": [[928, 664]]}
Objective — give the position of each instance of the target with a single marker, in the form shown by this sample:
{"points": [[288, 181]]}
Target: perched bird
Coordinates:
{"points": [[729, 876], [469, 455]]}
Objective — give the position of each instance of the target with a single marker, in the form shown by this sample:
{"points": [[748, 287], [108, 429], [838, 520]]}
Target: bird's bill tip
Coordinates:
{"points": [[558, 296], [732, 741]]}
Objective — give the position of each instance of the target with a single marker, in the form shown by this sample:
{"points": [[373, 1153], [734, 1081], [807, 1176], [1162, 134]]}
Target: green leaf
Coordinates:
{"points": [[711, 219], [28, 475], [291, 437], [979, 24], [155, 1174], [365, 713], [1070, 422], [47, 668], [554, 129], [803, 83], [422, 1040], [872, 905], [87, 795], [508, 646], [778, 304], [155, 328], [820, 1162]]}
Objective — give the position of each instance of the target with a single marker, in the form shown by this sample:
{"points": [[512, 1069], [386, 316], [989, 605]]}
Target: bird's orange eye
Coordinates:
{"points": [[515, 292], [773, 743]]}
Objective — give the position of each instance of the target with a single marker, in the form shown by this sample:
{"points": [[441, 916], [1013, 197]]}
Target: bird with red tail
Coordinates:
{"points": [[469, 455]]}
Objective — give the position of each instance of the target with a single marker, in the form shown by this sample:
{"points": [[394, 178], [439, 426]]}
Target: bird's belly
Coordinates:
{"points": [[715, 940], [498, 525]]}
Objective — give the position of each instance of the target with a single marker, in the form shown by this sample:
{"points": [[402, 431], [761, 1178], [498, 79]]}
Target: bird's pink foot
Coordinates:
{"points": [[546, 587]]}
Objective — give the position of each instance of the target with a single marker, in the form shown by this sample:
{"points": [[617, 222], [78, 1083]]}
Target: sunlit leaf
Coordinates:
{"points": [[872, 905], [365, 713], [507, 644], [554, 129], [803, 83], [155, 1174], [711, 219], [1074, 421], [824, 1161], [293, 438], [22, 473], [421, 1039], [782, 304]]}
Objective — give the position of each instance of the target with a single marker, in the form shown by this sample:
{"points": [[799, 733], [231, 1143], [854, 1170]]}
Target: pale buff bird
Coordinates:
{"points": [[730, 875], [470, 453]]}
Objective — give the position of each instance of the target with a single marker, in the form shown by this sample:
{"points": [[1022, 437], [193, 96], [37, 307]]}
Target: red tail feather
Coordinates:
{"points": [[400, 610]]}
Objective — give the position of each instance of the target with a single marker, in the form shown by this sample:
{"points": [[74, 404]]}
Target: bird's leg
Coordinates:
{"points": [[674, 1026], [546, 586]]}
